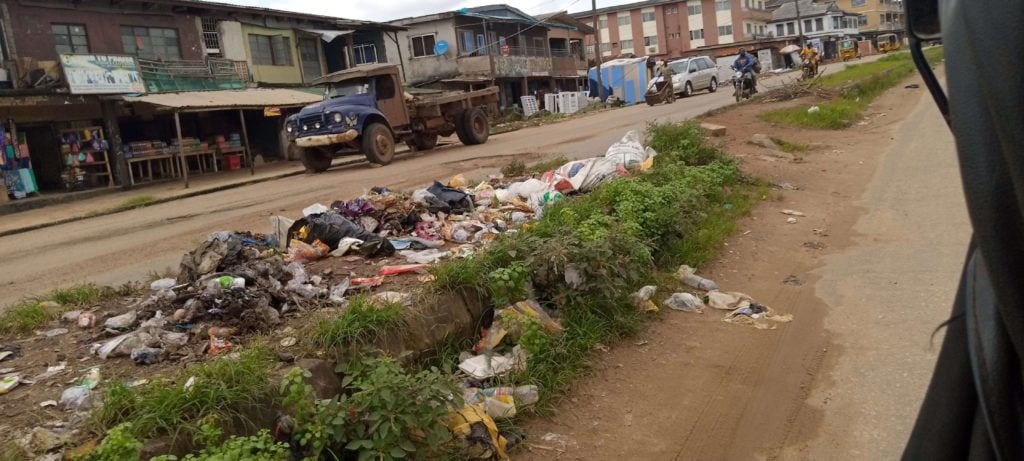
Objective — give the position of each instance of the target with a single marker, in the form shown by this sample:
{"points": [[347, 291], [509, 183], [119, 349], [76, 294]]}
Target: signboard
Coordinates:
{"points": [[102, 74], [765, 58], [271, 111]]}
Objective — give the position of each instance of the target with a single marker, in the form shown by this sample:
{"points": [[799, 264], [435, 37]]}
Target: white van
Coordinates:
{"points": [[694, 74]]}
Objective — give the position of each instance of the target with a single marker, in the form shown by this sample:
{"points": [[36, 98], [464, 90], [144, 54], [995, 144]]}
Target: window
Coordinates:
{"points": [[606, 47], [151, 42], [270, 50], [651, 41], [366, 53], [722, 5], [70, 38], [647, 17], [780, 30], [704, 63], [671, 9], [471, 43], [590, 49], [697, 34], [859, 2], [694, 9], [693, 67], [626, 45], [862, 20], [385, 87], [211, 37], [790, 29], [309, 58], [807, 25], [881, 18], [602, 23], [836, 23], [724, 30], [747, 25], [624, 20], [422, 45], [760, 5], [673, 35], [819, 24]]}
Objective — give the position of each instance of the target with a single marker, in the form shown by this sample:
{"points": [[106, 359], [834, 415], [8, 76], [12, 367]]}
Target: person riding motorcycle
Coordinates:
{"points": [[810, 55], [744, 64]]}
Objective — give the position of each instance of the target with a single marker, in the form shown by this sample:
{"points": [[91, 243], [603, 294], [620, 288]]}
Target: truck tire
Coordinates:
{"points": [[317, 160], [422, 141], [378, 144], [473, 127]]}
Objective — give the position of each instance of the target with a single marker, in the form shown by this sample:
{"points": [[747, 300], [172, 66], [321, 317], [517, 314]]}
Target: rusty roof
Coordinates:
{"points": [[252, 98], [366, 70]]}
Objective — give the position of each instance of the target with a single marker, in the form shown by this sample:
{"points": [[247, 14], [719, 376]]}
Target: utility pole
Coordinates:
{"points": [[597, 50], [799, 24]]}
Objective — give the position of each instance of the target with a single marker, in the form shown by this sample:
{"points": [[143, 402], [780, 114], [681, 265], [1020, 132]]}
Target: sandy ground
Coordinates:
{"points": [[876, 263]]}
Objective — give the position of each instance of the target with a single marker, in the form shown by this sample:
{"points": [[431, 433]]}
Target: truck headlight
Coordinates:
{"points": [[289, 128], [337, 117], [317, 125]]}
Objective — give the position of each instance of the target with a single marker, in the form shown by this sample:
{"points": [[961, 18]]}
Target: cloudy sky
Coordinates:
{"points": [[383, 10]]}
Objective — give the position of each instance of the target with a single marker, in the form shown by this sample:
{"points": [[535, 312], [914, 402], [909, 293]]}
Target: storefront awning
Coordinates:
{"points": [[328, 35], [253, 98]]}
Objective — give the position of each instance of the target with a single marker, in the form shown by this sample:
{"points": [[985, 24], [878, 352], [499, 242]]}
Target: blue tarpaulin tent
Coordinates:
{"points": [[626, 79]]}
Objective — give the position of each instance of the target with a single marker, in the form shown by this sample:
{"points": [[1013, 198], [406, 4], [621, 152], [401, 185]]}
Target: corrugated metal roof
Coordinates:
{"points": [[252, 98]]}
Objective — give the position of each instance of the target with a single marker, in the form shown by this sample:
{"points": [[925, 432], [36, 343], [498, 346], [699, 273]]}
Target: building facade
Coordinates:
{"points": [[824, 23], [669, 29], [879, 16], [498, 44]]}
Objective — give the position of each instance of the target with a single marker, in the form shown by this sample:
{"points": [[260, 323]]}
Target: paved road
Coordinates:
{"points": [[127, 246]]}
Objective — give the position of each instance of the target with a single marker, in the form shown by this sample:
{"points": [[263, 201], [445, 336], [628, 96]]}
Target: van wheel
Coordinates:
{"points": [[688, 90], [422, 141], [378, 144], [316, 160], [473, 127], [714, 85]]}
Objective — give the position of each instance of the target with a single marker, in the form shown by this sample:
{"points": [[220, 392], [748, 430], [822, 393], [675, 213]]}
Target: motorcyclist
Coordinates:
{"points": [[744, 64], [810, 54]]}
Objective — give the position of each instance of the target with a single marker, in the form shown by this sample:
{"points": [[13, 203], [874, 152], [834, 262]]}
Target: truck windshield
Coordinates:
{"points": [[347, 88]]}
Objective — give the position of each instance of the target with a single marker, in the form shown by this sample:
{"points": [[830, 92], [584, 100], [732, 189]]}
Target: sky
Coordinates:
{"points": [[386, 10]]}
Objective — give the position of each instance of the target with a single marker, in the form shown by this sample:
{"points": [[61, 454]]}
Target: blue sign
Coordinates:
{"points": [[441, 47]]}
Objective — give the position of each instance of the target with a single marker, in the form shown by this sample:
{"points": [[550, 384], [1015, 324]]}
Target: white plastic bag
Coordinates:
{"points": [[627, 151], [279, 226], [316, 208], [529, 187], [685, 302]]}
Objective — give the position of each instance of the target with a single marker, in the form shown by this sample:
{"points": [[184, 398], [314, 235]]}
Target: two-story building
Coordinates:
{"points": [[670, 29], [491, 45], [823, 23], [878, 16], [94, 93]]}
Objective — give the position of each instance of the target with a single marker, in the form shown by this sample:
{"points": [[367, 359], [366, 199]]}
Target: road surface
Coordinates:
{"points": [[130, 245]]}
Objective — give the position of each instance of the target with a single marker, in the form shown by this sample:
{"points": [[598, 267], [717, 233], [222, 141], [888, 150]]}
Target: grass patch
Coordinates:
{"points": [[32, 313], [362, 321], [791, 146], [547, 165], [862, 84], [137, 201], [86, 293], [224, 393]]}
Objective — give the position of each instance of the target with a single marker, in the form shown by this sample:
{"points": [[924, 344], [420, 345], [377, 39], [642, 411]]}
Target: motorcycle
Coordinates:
{"points": [[743, 85], [810, 70]]}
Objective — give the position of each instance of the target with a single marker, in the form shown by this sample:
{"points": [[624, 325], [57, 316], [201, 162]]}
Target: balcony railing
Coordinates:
{"points": [[211, 74]]}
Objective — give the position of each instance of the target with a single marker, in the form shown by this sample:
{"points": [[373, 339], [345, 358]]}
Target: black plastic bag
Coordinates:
{"points": [[331, 227], [457, 200]]}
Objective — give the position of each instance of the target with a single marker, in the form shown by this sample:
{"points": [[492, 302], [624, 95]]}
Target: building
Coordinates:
{"points": [[94, 92], [486, 45], [822, 22], [669, 29], [879, 16]]}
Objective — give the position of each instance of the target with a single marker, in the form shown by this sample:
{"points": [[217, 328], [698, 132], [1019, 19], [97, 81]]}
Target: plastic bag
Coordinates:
{"points": [[300, 252], [628, 151], [642, 299], [337, 293], [528, 188], [121, 322], [728, 300], [455, 200], [331, 227], [279, 226], [316, 208], [76, 398], [584, 175], [425, 256], [458, 181], [163, 284], [392, 270], [688, 276], [685, 302]]}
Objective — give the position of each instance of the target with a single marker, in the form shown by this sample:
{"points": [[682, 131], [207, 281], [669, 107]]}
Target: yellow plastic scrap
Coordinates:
{"points": [[647, 164], [458, 181], [476, 428]]}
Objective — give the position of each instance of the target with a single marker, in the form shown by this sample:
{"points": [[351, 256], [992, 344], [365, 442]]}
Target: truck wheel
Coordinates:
{"points": [[314, 159], [378, 144], [422, 141], [475, 127]]}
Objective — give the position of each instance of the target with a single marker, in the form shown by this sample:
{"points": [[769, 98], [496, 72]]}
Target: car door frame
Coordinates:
{"points": [[705, 73]]}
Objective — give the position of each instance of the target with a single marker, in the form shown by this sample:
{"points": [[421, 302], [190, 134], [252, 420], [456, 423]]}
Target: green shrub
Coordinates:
{"points": [[259, 447], [362, 321], [118, 445]]}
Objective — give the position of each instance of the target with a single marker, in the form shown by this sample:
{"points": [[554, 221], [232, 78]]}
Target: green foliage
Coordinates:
{"points": [[224, 389], [259, 447], [32, 313], [137, 201], [86, 293], [509, 284], [362, 321], [25, 316], [515, 168], [386, 414], [118, 445], [547, 165]]}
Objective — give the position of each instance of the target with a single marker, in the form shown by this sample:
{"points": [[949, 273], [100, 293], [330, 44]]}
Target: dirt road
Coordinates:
{"points": [[867, 275], [128, 246]]}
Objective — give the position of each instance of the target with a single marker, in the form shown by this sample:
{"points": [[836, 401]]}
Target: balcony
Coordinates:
{"points": [[566, 63], [510, 61], [211, 74]]}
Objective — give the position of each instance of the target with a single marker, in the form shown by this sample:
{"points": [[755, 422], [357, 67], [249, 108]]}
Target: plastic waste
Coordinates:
{"points": [[791, 220], [393, 270], [345, 245], [279, 226], [813, 110], [526, 395], [483, 367], [458, 181], [76, 398], [688, 276], [121, 322], [162, 284], [86, 320], [315, 208], [532, 309], [425, 256], [425, 198], [791, 213], [329, 228], [477, 432], [51, 371], [527, 188], [9, 383], [627, 151], [394, 297], [91, 379], [71, 316], [56, 332], [238, 282], [728, 300], [366, 282], [455, 200], [337, 292], [642, 299], [500, 406], [685, 302], [219, 339], [146, 355], [582, 175], [299, 251]]}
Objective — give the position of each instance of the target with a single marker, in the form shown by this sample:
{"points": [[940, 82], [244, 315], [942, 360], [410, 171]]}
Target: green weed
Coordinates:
{"points": [[224, 390], [25, 317], [33, 313], [514, 169], [547, 165], [791, 147], [137, 201], [259, 447], [86, 293], [362, 321], [118, 445]]}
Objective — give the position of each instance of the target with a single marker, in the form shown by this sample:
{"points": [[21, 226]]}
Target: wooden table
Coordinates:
{"points": [[165, 160], [200, 155]]}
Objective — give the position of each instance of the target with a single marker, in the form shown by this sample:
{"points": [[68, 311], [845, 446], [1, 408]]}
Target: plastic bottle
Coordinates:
{"points": [[687, 275], [526, 395]]}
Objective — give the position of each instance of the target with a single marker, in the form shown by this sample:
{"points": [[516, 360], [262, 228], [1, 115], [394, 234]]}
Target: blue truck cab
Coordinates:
{"points": [[365, 108]]}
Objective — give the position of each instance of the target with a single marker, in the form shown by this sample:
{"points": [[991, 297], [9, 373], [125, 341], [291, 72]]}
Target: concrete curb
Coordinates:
{"points": [[191, 194]]}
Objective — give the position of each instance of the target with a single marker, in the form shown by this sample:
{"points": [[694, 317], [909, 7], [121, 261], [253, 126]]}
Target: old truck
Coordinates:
{"points": [[365, 109]]}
